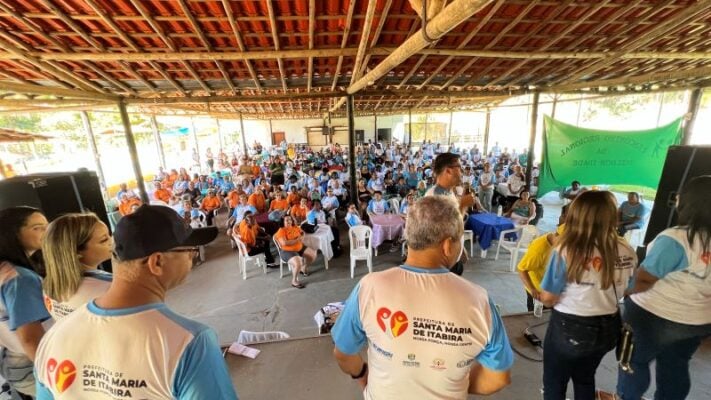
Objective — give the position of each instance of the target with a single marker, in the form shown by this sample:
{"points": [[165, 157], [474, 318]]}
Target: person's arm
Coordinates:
{"points": [[26, 311], [201, 372], [349, 338], [484, 381], [643, 281], [532, 211], [491, 371], [554, 280], [528, 284], [665, 255], [30, 336]]}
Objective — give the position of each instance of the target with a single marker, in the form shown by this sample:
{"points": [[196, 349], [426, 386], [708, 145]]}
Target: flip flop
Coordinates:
{"points": [[298, 285]]}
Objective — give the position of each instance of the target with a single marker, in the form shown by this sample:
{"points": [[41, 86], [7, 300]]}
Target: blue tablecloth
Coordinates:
{"points": [[488, 227]]}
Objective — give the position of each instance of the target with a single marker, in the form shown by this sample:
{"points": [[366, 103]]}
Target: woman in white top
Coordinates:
{"points": [[669, 304], [73, 248], [586, 276]]}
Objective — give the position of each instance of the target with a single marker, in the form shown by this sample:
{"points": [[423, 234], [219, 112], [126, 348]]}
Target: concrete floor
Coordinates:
{"points": [[216, 295]]}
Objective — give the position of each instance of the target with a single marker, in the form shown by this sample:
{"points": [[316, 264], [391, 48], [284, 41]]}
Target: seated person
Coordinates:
{"points": [[292, 250], [299, 211], [233, 197], [378, 205], [278, 207], [193, 194], [523, 210], [254, 238], [339, 191], [293, 198], [128, 200], [516, 182], [574, 191], [161, 194], [330, 204], [191, 215], [210, 204], [242, 207], [257, 200], [353, 217], [315, 217], [630, 214], [406, 203]]}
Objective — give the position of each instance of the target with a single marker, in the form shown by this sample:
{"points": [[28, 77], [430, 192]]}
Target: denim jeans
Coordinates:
{"points": [[485, 198], [573, 349], [671, 344]]}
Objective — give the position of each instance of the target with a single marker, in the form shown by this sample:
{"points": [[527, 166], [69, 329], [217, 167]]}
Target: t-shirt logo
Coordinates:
{"points": [[61, 375], [706, 257], [398, 322], [597, 263]]}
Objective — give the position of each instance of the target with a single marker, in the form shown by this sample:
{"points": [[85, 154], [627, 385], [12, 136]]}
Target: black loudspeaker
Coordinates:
{"points": [[56, 194], [682, 164]]}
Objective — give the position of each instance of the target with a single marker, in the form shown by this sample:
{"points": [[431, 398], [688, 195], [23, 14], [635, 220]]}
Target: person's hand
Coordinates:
{"points": [[467, 200], [363, 382], [535, 294]]}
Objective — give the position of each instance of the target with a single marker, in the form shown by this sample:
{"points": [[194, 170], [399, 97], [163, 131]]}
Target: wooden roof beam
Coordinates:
{"points": [[240, 42], [702, 72], [344, 41], [275, 38], [378, 30], [312, 26], [54, 91]]}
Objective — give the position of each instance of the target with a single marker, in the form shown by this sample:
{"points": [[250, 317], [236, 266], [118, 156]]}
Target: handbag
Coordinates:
{"points": [[308, 228], [625, 342]]}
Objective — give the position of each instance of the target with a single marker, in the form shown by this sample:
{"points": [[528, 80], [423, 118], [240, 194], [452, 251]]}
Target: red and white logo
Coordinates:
{"points": [[397, 321], [60, 375], [706, 257]]}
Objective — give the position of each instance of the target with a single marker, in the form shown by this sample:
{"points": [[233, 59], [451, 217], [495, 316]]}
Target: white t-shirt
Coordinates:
{"points": [[94, 284], [517, 183], [486, 178], [145, 352], [587, 298], [683, 292], [424, 329]]}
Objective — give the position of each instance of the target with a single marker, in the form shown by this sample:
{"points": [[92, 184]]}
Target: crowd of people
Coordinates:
{"points": [[71, 330]]}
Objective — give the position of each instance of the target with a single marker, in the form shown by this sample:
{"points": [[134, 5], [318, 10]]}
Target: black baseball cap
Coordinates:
{"points": [[152, 229]]}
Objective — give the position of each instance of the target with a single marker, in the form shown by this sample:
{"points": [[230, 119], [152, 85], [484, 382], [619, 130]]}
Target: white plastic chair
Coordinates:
{"points": [[247, 337], [245, 258], [394, 205], [281, 260], [360, 238], [525, 233], [469, 235], [158, 203]]}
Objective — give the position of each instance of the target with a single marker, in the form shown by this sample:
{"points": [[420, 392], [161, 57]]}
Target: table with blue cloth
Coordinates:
{"points": [[488, 227]]}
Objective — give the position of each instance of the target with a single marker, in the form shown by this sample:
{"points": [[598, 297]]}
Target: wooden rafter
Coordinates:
{"points": [[344, 41], [275, 38], [378, 31], [312, 26], [419, 62], [240, 42], [363, 44]]}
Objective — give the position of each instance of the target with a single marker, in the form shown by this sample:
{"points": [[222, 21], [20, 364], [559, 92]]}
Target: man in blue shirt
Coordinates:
{"points": [[127, 343], [630, 214]]}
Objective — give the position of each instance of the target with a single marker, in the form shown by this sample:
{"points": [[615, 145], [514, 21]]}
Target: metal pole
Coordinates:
{"points": [[244, 139], [132, 151], [580, 106], [219, 133], [555, 103], [158, 140], [197, 145], [449, 130], [351, 148], [487, 125], [661, 107], [532, 139], [409, 127], [427, 117], [94, 150], [375, 127], [694, 104]]}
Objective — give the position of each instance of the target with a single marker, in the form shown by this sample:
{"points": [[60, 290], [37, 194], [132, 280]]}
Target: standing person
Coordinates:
{"points": [[486, 187], [210, 159], [73, 248], [393, 312], [669, 304], [22, 310], [586, 276], [293, 250], [447, 169], [128, 341]]}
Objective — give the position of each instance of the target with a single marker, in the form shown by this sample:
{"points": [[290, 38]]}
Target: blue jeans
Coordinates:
{"points": [[573, 349], [671, 344]]}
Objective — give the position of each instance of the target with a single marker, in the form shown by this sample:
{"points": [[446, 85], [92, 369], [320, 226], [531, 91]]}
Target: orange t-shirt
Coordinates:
{"points": [[233, 198], [125, 206], [298, 212], [294, 199], [248, 234], [257, 200], [278, 204], [255, 170], [162, 195], [210, 203], [290, 233]]}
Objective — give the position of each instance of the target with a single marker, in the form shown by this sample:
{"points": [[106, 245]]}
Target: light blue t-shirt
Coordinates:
{"points": [[314, 217]]}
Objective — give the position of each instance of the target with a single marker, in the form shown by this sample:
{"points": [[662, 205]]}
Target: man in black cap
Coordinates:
{"points": [[127, 343]]}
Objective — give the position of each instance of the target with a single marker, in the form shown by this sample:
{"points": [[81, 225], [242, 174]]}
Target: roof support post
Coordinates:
{"points": [[243, 134], [219, 133], [694, 104], [455, 13], [94, 150], [409, 127], [158, 140], [131, 143], [532, 138], [375, 126], [351, 148], [195, 139], [487, 126], [449, 130]]}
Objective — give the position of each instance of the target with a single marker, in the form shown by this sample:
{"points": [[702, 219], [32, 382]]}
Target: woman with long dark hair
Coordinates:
{"points": [[669, 305], [22, 309], [587, 274]]}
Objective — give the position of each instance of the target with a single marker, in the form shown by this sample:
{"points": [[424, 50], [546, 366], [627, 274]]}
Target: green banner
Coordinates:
{"points": [[596, 157]]}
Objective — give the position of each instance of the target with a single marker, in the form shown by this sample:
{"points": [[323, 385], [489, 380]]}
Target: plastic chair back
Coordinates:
{"points": [[395, 206], [360, 237]]}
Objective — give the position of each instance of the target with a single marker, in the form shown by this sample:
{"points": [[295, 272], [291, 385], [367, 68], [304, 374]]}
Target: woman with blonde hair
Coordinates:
{"points": [[586, 276], [73, 248]]}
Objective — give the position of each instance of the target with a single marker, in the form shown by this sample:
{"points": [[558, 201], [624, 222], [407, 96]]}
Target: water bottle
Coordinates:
{"points": [[500, 211], [537, 308]]}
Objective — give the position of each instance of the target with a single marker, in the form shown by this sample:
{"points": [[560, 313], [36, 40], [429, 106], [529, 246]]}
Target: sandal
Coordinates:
{"points": [[298, 285]]}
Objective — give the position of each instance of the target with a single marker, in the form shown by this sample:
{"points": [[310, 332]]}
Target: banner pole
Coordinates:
{"points": [[532, 138], [690, 117], [487, 124]]}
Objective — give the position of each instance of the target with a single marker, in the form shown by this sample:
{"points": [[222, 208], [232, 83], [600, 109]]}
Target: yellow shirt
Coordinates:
{"points": [[536, 259]]}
